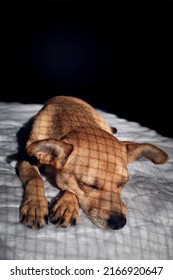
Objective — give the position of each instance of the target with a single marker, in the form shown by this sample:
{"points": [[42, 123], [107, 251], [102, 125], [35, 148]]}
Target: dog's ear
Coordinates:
{"points": [[51, 151], [136, 151]]}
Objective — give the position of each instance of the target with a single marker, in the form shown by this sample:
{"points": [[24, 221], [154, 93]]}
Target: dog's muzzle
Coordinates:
{"points": [[117, 221]]}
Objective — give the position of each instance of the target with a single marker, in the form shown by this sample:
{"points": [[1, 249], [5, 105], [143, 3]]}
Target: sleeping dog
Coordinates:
{"points": [[88, 163]]}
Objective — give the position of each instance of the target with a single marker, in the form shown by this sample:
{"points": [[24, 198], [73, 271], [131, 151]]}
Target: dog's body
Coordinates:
{"points": [[90, 166]]}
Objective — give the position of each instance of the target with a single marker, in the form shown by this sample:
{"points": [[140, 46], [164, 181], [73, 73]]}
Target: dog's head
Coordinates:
{"points": [[93, 165]]}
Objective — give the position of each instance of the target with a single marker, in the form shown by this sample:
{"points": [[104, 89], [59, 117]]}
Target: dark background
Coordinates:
{"points": [[117, 55]]}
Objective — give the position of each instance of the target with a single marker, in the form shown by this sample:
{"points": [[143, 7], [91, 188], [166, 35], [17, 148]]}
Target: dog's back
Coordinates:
{"points": [[62, 114]]}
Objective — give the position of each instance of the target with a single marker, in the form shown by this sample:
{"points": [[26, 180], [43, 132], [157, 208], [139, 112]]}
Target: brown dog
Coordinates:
{"points": [[90, 166]]}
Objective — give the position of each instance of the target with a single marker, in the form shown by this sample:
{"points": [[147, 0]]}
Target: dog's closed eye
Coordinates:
{"points": [[89, 186], [93, 187]]}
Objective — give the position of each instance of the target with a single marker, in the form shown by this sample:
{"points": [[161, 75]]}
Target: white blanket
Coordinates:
{"points": [[148, 233]]}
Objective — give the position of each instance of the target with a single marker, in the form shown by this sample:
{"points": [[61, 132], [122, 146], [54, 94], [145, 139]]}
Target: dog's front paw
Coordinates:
{"points": [[64, 211], [34, 212]]}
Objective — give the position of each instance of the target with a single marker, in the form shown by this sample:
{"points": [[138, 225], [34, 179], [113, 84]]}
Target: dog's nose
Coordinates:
{"points": [[116, 221]]}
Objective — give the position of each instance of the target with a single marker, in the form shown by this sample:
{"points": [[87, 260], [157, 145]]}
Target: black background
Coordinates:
{"points": [[117, 55]]}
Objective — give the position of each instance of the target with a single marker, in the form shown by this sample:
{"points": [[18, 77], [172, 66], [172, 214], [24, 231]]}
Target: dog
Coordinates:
{"points": [[88, 162]]}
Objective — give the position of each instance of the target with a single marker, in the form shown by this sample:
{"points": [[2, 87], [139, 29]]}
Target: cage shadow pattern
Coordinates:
{"points": [[148, 196]]}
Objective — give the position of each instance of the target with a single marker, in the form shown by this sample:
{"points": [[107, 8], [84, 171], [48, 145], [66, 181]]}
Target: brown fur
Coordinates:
{"points": [[90, 166]]}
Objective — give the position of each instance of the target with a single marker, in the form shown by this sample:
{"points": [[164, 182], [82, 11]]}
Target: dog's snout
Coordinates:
{"points": [[117, 221]]}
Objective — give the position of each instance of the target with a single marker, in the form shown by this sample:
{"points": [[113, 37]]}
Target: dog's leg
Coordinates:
{"points": [[34, 207], [64, 211]]}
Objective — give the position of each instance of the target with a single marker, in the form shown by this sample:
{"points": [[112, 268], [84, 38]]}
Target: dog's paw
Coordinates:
{"points": [[64, 211], [34, 213]]}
